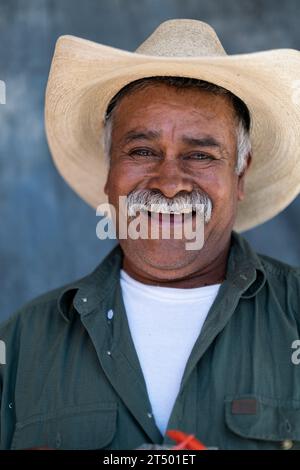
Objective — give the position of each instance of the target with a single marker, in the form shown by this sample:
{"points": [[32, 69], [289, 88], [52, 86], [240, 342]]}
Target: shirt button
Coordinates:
{"points": [[10, 405], [110, 314], [108, 353], [287, 444], [84, 299], [150, 415], [58, 440]]}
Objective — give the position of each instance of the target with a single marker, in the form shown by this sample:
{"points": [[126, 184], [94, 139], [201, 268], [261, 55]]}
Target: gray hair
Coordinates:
{"points": [[242, 112]]}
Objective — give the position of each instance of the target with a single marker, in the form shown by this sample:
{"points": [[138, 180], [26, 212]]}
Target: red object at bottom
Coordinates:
{"points": [[185, 441]]}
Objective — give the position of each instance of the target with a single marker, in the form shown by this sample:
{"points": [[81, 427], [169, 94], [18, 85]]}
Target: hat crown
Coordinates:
{"points": [[181, 38]]}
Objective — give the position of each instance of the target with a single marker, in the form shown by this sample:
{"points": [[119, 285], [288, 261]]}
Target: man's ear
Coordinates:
{"points": [[108, 161], [106, 187], [241, 178]]}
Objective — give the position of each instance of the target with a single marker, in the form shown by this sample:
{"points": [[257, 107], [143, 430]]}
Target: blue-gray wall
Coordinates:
{"points": [[47, 234]]}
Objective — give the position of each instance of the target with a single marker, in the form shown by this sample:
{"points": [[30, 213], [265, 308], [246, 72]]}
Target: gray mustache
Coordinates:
{"points": [[151, 199]]}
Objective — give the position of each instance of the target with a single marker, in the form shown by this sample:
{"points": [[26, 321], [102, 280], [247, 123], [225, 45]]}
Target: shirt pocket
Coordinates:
{"points": [[73, 427], [268, 423]]}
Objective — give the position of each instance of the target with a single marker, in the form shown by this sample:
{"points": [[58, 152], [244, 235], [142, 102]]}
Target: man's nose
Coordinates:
{"points": [[170, 179]]}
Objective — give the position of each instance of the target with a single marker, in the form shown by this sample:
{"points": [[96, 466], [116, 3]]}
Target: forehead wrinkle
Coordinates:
{"points": [[204, 140], [201, 141], [179, 116], [138, 134]]}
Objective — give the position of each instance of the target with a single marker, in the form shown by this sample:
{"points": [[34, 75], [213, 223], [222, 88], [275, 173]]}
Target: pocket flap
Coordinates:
{"points": [[74, 427], [256, 417]]}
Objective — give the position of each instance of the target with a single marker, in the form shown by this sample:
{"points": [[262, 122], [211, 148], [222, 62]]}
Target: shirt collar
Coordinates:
{"points": [[245, 272], [87, 293]]}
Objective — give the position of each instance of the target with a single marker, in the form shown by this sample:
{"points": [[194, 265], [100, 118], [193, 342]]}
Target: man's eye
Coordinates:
{"points": [[199, 156], [142, 152]]}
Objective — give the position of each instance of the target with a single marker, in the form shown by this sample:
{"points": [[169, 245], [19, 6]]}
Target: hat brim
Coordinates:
{"points": [[84, 76]]}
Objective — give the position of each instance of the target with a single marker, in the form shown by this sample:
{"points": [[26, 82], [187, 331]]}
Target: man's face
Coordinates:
{"points": [[176, 141]]}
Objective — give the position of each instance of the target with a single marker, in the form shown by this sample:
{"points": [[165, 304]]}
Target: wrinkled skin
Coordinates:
{"points": [[165, 159]]}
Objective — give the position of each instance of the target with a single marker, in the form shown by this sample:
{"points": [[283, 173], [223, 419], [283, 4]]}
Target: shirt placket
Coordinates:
{"points": [[112, 340], [219, 315]]}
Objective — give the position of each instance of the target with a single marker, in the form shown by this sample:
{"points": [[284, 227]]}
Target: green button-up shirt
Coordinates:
{"points": [[72, 378]]}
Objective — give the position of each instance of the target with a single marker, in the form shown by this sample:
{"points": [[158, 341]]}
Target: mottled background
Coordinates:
{"points": [[47, 235]]}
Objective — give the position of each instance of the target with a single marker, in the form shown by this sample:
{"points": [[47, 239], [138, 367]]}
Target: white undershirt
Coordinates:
{"points": [[164, 323]]}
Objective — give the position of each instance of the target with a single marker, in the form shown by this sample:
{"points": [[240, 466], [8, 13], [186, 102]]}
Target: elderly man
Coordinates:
{"points": [[162, 337]]}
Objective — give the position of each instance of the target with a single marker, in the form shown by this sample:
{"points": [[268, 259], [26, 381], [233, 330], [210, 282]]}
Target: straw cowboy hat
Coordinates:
{"points": [[85, 75]]}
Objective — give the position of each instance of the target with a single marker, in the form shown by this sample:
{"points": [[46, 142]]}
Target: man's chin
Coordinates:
{"points": [[165, 255]]}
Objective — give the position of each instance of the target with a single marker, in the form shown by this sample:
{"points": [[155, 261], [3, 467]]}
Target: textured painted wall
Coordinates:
{"points": [[47, 234]]}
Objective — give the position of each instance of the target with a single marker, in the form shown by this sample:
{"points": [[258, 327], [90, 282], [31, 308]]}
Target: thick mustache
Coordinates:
{"points": [[154, 200]]}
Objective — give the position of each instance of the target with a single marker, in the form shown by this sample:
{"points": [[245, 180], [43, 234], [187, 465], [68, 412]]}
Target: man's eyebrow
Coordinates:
{"points": [[207, 141], [140, 135]]}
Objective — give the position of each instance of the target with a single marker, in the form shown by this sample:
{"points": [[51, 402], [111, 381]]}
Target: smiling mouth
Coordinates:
{"points": [[171, 217]]}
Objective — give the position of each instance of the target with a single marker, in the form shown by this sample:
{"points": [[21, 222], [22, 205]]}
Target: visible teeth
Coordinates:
{"points": [[158, 210], [161, 211], [132, 210], [166, 211], [186, 210]]}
